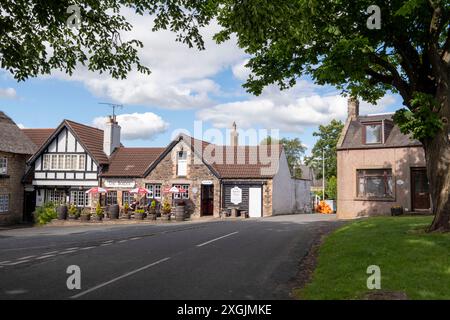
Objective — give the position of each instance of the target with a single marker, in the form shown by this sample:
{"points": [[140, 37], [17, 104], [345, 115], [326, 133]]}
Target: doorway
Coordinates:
{"points": [[255, 203], [207, 208], [29, 206], [420, 189]]}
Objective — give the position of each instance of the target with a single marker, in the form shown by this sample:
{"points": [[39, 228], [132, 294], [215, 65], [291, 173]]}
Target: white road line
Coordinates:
{"points": [[109, 241], [72, 249], [26, 258], [68, 252], [122, 241], [137, 238], [52, 252], [16, 263], [3, 262], [87, 248], [118, 278], [217, 239], [105, 244], [45, 257]]}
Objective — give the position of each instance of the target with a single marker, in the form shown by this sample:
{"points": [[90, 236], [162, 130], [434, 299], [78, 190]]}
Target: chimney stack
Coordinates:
{"points": [[353, 108], [234, 136], [111, 139]]}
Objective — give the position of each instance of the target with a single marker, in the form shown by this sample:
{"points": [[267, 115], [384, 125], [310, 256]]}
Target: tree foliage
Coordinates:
{"points": [[328, 137], [294, 150]]}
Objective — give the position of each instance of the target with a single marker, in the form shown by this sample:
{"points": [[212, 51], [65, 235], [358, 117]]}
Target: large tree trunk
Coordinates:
{"points": [[437, 154]]}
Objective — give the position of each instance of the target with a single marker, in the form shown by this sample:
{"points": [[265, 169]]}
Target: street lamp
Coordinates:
{"points": [[323, 173]]}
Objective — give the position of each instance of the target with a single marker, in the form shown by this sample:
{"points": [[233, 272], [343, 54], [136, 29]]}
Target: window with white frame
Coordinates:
{"points": [[3, 165], [127, 198], [182, 163], [56, 196], [182, 195], [111, 198], [80, 198], [73, 162], [155, 191], [4, 202], [375, 183]]}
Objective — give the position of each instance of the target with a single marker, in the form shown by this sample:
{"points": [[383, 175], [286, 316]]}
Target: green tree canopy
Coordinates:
{"points": [[294, 150], [328, 137]]}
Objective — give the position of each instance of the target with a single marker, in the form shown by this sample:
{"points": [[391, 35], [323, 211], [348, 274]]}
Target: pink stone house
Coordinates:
{"points": [[379, 167]]}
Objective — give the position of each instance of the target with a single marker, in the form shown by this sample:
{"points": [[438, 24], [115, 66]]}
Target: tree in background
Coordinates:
{"points": [[401, 46], [328, 137], [331, 188], [294, 150]]}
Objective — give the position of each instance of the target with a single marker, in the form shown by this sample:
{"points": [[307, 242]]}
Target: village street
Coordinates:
{"points": [[252, 259]]}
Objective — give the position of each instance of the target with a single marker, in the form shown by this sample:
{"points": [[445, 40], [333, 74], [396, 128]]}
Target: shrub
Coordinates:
{"points": [[166, 208], [153, 204], [98, 209], [46, 213], [126, 208], [73, 211], [140, 211]]}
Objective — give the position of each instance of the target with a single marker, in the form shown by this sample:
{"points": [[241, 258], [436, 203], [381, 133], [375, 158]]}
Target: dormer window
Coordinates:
{"points": [[373, 133], [182, 163]]}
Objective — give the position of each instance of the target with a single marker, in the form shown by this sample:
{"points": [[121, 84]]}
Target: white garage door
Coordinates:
{"points": [[255, 205]]}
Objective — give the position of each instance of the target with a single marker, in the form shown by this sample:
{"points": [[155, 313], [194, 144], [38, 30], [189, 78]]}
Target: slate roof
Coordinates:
{"points": [[131, 162], [12, 139], [38, 136], [354, 140]]}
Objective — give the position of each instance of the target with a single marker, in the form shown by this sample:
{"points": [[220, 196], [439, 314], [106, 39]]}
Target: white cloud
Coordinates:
{"points": [[21, 126], [181, 76], [381, 106], [136, 126], [8, 93], [240, 71]]}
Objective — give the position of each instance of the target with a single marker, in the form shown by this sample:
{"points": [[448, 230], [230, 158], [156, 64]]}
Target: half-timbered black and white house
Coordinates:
{"points": [[69, 162]]}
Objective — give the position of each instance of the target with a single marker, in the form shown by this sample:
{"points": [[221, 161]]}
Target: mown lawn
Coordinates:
{"points": [[411, 260]]}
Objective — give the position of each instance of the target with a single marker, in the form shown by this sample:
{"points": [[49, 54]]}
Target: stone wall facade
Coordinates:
{"points": [[11, 185]]}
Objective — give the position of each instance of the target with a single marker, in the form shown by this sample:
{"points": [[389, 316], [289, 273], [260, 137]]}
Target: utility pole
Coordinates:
{"points": [[323, 172]]}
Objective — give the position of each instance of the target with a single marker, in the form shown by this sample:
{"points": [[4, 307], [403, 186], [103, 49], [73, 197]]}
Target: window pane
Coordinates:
{"points": [[373, 133], [375, 183], [3, 166], [82, 162]]}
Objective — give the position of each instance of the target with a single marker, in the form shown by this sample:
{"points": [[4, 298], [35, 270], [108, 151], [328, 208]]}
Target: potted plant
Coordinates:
{"points": [[62, 212], [396, 210], [152, 211], [166, 210], [139, 214], [126, 211], [114, 212], [85, 215], [98, 216], [73, 212]]}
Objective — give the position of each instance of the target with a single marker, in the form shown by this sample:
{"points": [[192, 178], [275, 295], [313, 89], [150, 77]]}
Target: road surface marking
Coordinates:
{"points": [[137, 238], [68, 252], [72, 249], [109, 241], [52, 252], [87, 248], [26, 258], [3, 262], [45, 257], [106, 244], [118, 278], [122, 241], [16, 263], [217, 239]]}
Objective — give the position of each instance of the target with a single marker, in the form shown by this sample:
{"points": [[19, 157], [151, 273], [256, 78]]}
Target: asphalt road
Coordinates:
{"points": [[224, 260]]}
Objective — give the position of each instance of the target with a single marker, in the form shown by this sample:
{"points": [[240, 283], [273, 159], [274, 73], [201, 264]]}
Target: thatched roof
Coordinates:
{"points": [[12, 139]]}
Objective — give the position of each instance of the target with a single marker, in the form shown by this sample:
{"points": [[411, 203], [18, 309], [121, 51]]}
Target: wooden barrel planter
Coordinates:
{"points": [[180, 213], [62, 212], [114, 212]]}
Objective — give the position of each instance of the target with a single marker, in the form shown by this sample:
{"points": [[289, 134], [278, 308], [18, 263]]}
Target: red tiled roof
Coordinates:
{"points": [[238, 162], [131, 162], [91, 138], [38, 136]]}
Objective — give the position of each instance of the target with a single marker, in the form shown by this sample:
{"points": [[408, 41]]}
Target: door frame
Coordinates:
{"points": [[412, 170], [202, 208]]}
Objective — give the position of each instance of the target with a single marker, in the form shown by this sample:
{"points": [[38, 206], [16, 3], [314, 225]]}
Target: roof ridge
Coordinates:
{"points": [[82, 124]]}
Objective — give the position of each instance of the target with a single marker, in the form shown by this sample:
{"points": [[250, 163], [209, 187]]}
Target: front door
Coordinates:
{"points": [[207, 200], [29, 206], [255, 202], [420, 190]]}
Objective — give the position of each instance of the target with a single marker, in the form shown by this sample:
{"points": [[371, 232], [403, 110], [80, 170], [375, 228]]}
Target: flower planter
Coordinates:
{"points": [[139, 216], [97, 217], [85, 217], [180, 214], [397, 211], [114, 212], [62, 212]]}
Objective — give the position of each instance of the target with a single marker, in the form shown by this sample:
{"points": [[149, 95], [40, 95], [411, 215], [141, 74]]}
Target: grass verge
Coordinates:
{"points": [[411, 261]]}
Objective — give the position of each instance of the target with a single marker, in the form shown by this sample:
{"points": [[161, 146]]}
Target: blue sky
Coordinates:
{"points": [[185, 85]]}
